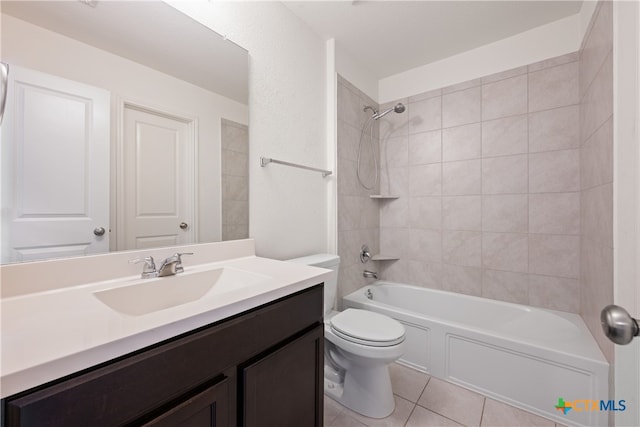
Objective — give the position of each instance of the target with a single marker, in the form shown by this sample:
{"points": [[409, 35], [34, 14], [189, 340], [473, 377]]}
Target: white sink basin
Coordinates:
{"points": [[145, 296]]}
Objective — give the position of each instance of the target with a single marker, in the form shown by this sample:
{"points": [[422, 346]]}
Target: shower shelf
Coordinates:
{"points": [[381, 257], [383, 196]]}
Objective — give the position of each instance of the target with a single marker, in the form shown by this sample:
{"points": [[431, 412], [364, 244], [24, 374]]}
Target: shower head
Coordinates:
{"points": [[398, 108]]}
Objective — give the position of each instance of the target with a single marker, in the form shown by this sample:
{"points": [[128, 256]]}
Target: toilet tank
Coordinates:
{"points": [[330, 261]]}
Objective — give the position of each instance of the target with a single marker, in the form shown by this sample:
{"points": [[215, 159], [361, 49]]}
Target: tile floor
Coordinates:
{"points": [[422, 401]]}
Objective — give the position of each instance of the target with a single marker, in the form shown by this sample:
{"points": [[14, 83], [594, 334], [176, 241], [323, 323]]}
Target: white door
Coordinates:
{"points": [[156, 200], [627, 201], [55, 168]]}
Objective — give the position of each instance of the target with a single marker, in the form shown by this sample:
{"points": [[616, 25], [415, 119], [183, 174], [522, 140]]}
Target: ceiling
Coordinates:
{"points": [[389, 37]]}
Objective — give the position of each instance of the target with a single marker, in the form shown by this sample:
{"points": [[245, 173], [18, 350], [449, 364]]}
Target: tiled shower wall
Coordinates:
{"points": [[596, 137], [488, 178], [235, 180], [358, 214], [505, 184]]}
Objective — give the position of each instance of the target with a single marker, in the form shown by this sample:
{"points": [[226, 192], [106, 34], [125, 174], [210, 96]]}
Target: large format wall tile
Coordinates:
{"points": [[554, 213], [554, 255], [462, 248], [459, 108], [504, 175], [554, 171], [464, 280], [358, 215], [462, 213], [461, 178], [505, 184], [504, 98], [556, 129], [597, 157], [461, 142], [554, 87], [423, 115], [505, 251], [425, 212], [505, 213], [506, 286], [489, 178], [490, 194], [425, 180], [425, 147], [596, 154], [556, 293], [505, 136]]}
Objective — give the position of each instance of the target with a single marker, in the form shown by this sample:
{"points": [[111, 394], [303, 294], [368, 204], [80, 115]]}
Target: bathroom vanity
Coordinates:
{"points": [[254, 359]]}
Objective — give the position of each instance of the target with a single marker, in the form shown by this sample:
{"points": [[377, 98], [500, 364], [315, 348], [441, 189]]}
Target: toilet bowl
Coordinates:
{"points": [[359, 346]]}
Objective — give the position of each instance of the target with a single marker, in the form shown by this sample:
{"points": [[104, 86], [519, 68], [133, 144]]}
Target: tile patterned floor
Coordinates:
{"points": [[423, 401]]}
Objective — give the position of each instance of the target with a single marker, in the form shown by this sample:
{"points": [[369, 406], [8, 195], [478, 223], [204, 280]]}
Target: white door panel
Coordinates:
{"points": [[55, 169], [157, 180], [626, 115]]}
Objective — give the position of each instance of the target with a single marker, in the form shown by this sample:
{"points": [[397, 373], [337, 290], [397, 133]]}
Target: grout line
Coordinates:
{"points": [[482, 267], [410, 414], [529, 194], [484, 402], [586, 140], [595, 75]]}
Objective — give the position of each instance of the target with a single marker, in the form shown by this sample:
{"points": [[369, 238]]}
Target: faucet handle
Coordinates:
{"points": [[178, 255], [149, 269]]}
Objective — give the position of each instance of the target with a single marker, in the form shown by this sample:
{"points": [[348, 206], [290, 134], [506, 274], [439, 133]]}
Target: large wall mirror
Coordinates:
{"points": [[125, 127]]}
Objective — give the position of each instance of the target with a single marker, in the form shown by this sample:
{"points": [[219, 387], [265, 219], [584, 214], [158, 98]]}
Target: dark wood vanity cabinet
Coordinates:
{"points": [[263, 367]]}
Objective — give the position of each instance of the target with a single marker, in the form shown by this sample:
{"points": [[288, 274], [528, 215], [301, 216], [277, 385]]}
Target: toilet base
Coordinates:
{"points": [[365, 390]]}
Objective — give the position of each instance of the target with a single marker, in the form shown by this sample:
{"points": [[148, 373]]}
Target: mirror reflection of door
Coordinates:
{"points": [[117, 47], [55, 167], [157, 188]]}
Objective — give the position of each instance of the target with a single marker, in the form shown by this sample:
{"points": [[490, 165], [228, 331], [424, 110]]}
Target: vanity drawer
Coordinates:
{"points": [[123, 390]]}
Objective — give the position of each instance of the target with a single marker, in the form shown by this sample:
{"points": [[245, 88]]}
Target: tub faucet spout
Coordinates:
{"points": [[370, 274]]}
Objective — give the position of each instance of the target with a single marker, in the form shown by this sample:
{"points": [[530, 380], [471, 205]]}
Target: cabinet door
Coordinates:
{"points": [[209, 408], [285, 387]]}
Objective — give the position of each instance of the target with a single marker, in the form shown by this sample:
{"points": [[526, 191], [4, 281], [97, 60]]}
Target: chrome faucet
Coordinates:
{"points": [[149, 269], [370, 274], [172, 265], [169, 267]]}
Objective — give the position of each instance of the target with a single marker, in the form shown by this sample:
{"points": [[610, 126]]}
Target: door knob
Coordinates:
{"points": [[184, 225], [618, 325], [99, 231]]}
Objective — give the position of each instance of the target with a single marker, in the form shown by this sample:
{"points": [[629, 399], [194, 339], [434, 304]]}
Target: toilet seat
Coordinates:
{"points": [[367, 328]]}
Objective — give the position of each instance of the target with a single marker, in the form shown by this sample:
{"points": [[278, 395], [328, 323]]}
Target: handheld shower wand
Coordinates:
{"points": [[398, 108]]}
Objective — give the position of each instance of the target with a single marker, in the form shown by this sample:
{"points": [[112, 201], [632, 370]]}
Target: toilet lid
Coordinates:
{"points": [[367, 327]]}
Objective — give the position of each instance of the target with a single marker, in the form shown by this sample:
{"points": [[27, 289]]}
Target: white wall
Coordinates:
{"points": [[547, 41], [36, 48], [287, 107]]}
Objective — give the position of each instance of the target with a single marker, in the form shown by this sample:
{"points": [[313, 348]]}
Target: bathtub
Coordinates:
{"points": [[524, 356]]}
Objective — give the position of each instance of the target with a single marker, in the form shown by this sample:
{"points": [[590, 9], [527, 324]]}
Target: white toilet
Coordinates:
{"points": [[359, 346]]}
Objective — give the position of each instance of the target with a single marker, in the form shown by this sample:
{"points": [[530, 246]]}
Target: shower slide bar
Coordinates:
{"points": [[264, 161]]}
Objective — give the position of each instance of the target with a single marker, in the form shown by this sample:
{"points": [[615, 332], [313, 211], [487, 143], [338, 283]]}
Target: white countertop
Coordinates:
{"points": [[56, 332]]}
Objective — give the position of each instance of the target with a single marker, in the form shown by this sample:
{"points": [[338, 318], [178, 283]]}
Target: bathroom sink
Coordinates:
{"points": [[145, 296]]}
